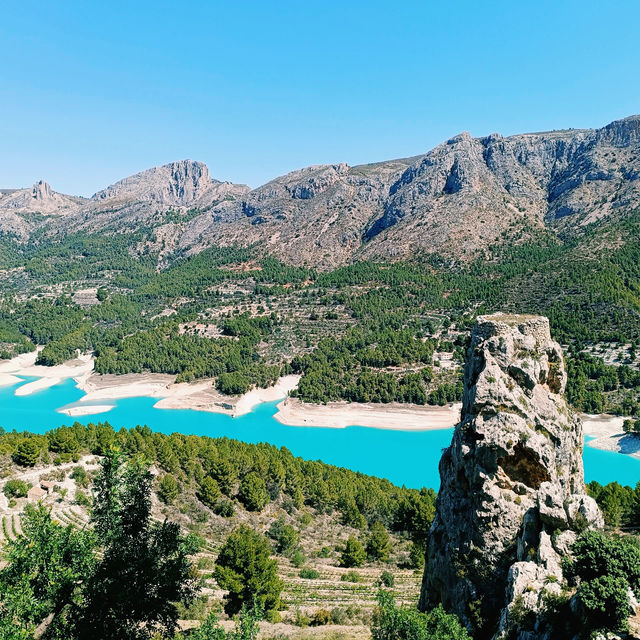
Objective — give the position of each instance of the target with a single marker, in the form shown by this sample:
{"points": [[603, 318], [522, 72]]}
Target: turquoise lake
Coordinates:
{"points": [[409, 458]]}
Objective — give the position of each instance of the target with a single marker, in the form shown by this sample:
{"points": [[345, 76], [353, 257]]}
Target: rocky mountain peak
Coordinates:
{"points": [[42, 191], [621, 133], [176, 183], [17, 205], [457, 200], [512, 495], [188, 179]]}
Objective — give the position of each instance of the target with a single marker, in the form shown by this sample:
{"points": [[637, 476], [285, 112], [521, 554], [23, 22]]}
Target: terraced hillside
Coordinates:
{"points": [[320, 596]]}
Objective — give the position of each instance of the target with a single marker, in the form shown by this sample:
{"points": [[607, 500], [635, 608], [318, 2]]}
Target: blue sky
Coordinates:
{"points": [[93, 91]]}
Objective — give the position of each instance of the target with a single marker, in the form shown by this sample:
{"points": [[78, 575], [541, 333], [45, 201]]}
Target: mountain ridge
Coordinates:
{"points": [[456, 200]]}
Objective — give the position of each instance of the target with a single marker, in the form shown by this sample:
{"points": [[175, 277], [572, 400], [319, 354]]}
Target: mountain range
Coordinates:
{"points": [[456, 200]]}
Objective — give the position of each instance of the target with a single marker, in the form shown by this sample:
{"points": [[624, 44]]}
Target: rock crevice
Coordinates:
{"points": [[512, 496]]}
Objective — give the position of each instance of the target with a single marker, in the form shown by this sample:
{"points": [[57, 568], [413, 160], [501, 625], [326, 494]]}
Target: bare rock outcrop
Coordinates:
{"points": [[158, 198], [512, 496], [40, 198], [316, 214], [23, 210], [456, 200], [182, 183]]}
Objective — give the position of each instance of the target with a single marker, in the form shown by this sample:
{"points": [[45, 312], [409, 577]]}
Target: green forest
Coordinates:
{"points": [[366, 332], [220, 470]]}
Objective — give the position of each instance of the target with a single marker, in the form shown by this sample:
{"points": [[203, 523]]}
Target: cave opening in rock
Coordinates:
{"points": [[524, 465]]}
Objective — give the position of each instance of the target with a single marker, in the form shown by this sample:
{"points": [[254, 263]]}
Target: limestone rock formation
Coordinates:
{"points": [[18, 205], [512, 495], [144, 199], [183, 183], [40, 198], [456, 200], [314, 215]]}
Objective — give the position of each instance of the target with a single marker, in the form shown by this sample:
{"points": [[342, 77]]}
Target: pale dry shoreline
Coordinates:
{"points": [[202, 396], [339, 415], [609, 436], [24, 365], [88, 410]]}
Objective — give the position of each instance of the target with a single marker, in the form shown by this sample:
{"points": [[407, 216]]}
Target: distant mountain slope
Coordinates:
{"points": [[467, 192], [458, 199], [179, 184], [141, 199], [17, 207], [316, 215]]}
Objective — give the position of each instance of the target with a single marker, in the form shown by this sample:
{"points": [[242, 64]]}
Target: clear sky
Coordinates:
{"points": [[91, 92]]}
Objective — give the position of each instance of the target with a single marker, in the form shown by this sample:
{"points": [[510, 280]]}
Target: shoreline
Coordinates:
{"points": [[394, 416], [204, 397], [12, 371], [102, 391], [89, 410], [608, 435], [99, 390]]}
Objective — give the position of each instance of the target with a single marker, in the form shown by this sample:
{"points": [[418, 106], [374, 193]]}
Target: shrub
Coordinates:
{"points": [[416, 555], [286, 538], [224, 508], [168, 488], [209, 492], [298, 559], [16, 489], [407, 623], [301, 620], [246, 627], [350, 576], [339, 616], [605, 568], [606, 602], [309, 574], [27, 453], [386, 579], [79, 474], [82, 498], [320, 618], [379, 542], [245, 569], [353, 554]]}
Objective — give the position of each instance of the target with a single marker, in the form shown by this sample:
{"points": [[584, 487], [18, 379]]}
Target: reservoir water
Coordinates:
{"points": [[409, 458]]}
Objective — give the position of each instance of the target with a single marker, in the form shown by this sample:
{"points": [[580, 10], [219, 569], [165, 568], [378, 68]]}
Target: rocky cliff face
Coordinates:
{"points": [[142, 200], [456, 200], [182, 183], [315, 215], [464, 194], [512, 493], [40, 198]]}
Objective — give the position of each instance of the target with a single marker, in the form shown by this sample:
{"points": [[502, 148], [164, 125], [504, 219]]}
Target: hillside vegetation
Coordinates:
{"points": [[333, 537], [366, 332]]}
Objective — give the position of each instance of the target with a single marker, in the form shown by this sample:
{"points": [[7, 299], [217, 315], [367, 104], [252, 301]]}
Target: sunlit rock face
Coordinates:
{"points": [[512, 493]]}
